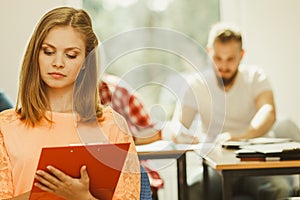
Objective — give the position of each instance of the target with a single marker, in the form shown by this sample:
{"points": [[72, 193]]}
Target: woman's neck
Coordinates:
{"points": [[60, 100]]}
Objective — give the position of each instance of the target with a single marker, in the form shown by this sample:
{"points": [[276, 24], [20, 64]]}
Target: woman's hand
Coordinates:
{"points": [[57, 182]]}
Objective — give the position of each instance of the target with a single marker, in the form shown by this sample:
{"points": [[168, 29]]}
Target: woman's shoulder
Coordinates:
{"points": [[113, 118], [7, 116]]}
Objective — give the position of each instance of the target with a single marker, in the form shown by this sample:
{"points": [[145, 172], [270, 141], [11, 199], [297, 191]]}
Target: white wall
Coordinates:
{"points": [[18, 19], [272, 39]]}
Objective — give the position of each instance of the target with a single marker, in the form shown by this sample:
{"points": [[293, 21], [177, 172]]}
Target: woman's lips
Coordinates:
{"points": [[57, 75]]}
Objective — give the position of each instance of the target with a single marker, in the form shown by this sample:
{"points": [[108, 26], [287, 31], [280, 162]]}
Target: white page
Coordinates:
{"points": [[273, 148], [159, 145], [268, 140]]}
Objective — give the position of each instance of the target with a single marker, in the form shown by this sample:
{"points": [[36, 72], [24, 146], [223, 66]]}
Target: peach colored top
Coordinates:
{"points": [[20, 148]]}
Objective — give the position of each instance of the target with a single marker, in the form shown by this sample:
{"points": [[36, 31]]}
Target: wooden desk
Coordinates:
{"points": [[224, 161]]}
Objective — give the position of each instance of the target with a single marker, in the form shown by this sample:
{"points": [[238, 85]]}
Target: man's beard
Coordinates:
{"points": [[223, 82]]}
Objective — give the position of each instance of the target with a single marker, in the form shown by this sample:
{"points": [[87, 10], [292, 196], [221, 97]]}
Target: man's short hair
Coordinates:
{"points": [[224, 32]]}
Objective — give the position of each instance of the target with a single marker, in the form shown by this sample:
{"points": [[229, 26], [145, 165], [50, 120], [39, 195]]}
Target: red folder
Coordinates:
{"points": [[104, 164]]}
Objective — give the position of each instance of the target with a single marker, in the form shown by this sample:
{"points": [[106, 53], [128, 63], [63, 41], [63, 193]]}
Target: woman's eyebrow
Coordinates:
{"points": [[68, 49]]}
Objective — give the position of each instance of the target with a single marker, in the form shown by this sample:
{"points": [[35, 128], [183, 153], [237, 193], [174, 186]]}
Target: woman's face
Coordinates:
{"points": [[61, 57]]}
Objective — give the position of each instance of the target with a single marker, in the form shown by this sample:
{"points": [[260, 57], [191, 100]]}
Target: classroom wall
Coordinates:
{"points": [[271, 36]]}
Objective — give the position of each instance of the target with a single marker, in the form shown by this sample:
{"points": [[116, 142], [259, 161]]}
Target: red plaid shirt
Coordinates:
{"points": [[132, 109], [126, 104]]}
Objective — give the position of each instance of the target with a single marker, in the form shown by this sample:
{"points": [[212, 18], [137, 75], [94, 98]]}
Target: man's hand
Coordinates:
{"points": [[223, 137]]}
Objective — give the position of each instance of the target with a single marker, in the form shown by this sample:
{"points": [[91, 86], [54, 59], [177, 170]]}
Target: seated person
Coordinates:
{"points": [[113, 92], [233, 101], [130, 107]]}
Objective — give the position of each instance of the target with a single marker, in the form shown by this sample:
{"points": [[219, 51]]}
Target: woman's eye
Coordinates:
{"points": [[71, 56], [49, 53]]}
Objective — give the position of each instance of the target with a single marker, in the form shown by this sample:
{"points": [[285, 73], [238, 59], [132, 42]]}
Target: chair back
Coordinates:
{"points": [[146, 193]]}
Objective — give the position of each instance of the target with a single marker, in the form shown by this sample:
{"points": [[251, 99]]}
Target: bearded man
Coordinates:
{"points": [[233, 101]]}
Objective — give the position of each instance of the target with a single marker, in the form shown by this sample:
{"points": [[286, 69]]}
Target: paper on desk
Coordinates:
{"points": [[273, 148], [160, 145], [165, 145], [267, 140], [254, 141]]}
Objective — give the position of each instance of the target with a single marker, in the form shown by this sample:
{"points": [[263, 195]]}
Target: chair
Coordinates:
{"points": [[285, 127], [146, 193], [156, 182]]}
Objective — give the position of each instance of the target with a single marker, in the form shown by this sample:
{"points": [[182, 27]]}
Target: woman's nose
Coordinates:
{"points": [[58, 61]]}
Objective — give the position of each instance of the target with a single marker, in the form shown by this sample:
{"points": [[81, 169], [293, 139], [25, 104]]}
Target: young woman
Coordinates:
{"points": [[57, 103]]}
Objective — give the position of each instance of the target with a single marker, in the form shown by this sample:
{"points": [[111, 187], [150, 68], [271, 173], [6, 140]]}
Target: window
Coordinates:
{"points": [[114, 18]]}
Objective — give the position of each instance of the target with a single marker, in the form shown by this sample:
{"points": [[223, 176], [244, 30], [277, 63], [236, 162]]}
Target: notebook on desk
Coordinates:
{"points": [[254, 141], [104, 164], [277, 151]]}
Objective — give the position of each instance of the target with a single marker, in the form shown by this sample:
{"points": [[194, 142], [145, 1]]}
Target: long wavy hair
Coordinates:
{"points": [[32, 102]]}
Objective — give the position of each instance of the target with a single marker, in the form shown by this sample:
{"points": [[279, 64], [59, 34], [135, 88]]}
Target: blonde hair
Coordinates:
{"points": [[32, 102]]}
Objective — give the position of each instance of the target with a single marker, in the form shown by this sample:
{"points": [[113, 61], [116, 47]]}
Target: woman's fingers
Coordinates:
{"points": [[58, 174], [50, 181], [57, 182], [45, 181], [84, 176]]}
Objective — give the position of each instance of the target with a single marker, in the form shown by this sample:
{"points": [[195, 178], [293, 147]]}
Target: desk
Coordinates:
{"points": [[224, 161], [168, 150], [180, 156]]}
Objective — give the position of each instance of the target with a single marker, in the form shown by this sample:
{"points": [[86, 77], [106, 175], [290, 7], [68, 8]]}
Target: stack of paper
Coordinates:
{"points": [[274, 151], [254, 141]]}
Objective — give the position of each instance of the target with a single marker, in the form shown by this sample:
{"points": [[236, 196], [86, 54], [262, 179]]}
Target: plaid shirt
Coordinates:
{"points": [[126, 104], [132, 109]]}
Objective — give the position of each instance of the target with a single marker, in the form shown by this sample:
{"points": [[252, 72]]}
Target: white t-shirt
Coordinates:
{"points": [[222, 111]]}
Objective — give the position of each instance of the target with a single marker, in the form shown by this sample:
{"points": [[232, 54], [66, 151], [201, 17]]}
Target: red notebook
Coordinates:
{"points": [[104, 165]]}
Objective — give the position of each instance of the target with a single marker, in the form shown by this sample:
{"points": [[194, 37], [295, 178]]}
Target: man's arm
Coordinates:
{"points": [[185, 118], [148, 135], [264, 117]]}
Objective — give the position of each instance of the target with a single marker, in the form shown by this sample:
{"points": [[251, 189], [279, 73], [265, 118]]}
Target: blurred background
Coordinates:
{"points": [[270, 28], [271, 38]]}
